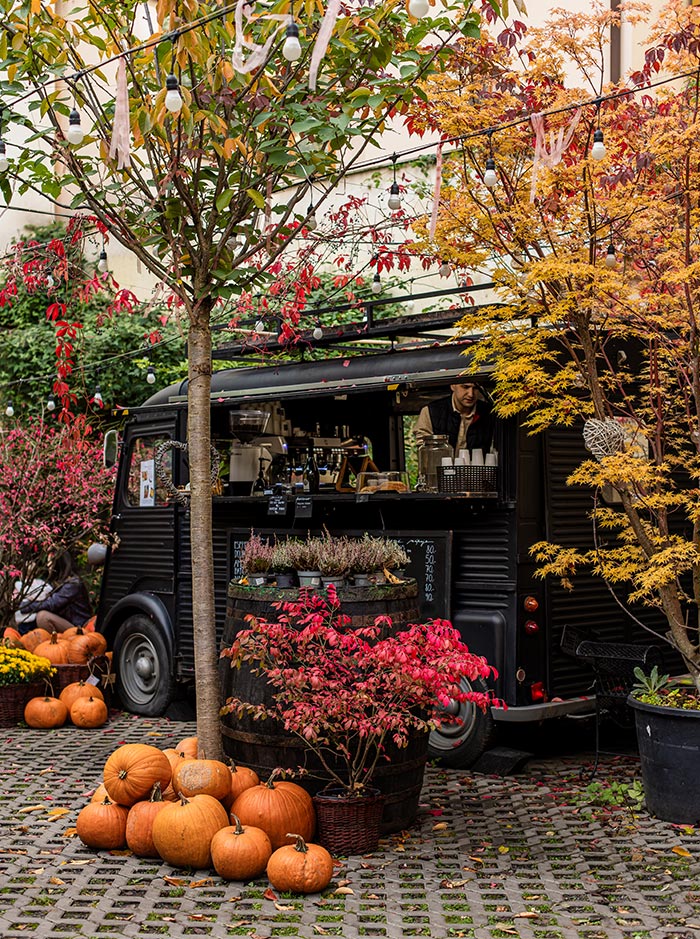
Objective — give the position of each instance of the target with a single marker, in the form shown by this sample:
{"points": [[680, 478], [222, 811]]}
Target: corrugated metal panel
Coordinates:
{"points": [[146, 545], [482, 552]]}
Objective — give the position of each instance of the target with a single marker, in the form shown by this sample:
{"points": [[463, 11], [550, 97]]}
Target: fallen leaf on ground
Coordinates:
{"points": [[31, 808], [204, 882], [528, 915], [441, 826], [70, 832], [56, 880], [270, 894], [344, 890], [682, 852], [282, 908], [57, 813], [176, 881]]}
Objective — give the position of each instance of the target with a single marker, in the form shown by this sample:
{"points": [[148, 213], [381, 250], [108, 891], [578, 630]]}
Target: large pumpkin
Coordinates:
{"points": [[53, 650], [277, 808], [102, 825], [34, 637], [89, 712], [183, 831], [139, 824], [132, 770], [242, 778], [84, 646], [202, 777], [300, 867], [79, 689], [240, 852], [189, 746], [45, 713]]}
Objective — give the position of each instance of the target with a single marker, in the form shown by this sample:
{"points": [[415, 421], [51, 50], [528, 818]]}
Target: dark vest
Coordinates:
{"points": [[446, 420]]}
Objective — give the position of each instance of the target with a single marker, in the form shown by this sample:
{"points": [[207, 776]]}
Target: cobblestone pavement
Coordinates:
{"points": [[490, 858]]}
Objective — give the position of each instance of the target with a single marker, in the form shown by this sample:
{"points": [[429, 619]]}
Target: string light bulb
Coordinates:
{"points": [[75, 133], [97, 398], [610, 257], [317, 333], [311, 220], [151, 375], [291, 49], [9, 410], [102, 264], [394, 196], [490, 178], [51, 403], [173, 98], [259, 327], [418, 8], [598, 148], [4, 162], [376, 283], [445, 269]]}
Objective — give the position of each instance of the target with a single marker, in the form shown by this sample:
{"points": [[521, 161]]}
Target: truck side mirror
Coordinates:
{"points": [[110, 448]]}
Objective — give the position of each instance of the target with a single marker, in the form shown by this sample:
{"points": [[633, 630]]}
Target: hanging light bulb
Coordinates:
{"points": [[259, 327], [490, 178], [102, 264], [4, 162], [173, 98], [9, 410], [610, 258], [97, 397], [75, 132], [376, 283], [410, 305], [394, 197], [418, 8], [51, 402], [445, 269], [317, 333], [311, 220], [151, 375], [598, 148], [291, 49]]}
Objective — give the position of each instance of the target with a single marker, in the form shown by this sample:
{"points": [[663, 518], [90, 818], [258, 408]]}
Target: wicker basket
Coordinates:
{"points": [[348, 825], [99, 667], [13, 698], [476, 479]]}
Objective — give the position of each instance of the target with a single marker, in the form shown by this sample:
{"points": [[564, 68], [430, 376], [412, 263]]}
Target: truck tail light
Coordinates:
{"points": [[531, 627], [531, 604], [537, 691]]}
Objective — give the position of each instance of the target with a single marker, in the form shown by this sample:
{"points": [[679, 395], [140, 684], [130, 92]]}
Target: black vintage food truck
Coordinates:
{"points": [[468, 541]]}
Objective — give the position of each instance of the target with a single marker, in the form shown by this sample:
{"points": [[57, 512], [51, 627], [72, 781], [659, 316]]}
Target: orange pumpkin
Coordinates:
{"points": [[277, 808], [174, 758], [34, 637], [202, 777], [242, 778], [188, 746], [240, 852], [100, 794], [79, 689], [132, 770], [83, 646], [13, 636], [139, 824], [183, 831], [53, 650], [102, 825], [89, 712], [45, 713], [300, 867]]}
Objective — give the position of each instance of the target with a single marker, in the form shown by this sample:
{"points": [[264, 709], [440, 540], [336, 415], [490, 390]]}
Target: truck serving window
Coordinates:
{"points": [[144, 489]]}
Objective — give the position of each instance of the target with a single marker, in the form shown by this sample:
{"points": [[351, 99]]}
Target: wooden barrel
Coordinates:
{"points": [[265, 745]]}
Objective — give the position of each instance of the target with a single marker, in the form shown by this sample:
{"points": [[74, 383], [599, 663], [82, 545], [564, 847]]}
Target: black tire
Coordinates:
{"points": [[460, 740], [144, 666]]}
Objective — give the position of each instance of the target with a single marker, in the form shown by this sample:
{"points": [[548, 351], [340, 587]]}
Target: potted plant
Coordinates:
{"points": [[256, 560], [396, 558], [348, 693], [23, 675], [366, 561], [303, 555], [333, 559], [282, 566], [667, 717]]}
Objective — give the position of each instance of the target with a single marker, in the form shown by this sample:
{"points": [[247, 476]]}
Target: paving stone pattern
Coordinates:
{"points": [[489, 858]]}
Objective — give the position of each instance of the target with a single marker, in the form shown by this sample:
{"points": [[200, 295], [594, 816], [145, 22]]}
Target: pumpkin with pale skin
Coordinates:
{"points": [[202, 777]]}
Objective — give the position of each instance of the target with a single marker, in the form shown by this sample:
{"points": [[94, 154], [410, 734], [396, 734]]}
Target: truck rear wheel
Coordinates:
{"points": [[144, 667], [464, 733]]}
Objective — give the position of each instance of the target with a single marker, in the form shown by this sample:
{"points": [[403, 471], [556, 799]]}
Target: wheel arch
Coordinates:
{"points": [[148, 604]]}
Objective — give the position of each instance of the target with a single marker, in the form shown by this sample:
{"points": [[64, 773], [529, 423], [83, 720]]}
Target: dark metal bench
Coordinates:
{"points": [[612, 665]]}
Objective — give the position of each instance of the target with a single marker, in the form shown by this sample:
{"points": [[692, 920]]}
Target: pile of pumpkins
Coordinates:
{"points": [[74, 646], [80, 701], [199, 813]]}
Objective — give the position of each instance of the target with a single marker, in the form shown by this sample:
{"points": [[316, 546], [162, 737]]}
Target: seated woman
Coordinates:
{"points": [[68, 603]]}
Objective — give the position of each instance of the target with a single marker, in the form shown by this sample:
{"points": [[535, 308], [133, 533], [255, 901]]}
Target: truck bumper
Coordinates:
{"points": [[541, 712]]}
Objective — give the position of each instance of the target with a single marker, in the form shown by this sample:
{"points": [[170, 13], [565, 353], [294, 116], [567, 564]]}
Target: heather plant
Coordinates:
{"points": [[348, 693], [55, 494], [257, 556]]}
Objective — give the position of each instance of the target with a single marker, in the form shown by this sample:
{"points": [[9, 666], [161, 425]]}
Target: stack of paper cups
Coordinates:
{"points": [[446, 461], [477, 457], [464, 457], [491, 459]]}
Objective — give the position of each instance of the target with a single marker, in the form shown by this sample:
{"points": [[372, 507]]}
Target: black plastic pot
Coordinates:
{"points": [[669, 752]]}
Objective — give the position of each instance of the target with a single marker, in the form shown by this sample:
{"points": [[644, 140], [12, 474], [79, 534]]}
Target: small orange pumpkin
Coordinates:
{"points": [[188, 746], [53, 650], [240, 852], [34, 637], [102, 825], [89, 712], [242, 778], [183, 831], [79, 689], [139, 824], [174, 758], [100, 794], [83, 646], [300, 867], [131, 771], [44, 713], [202, 777], [13, 636]]}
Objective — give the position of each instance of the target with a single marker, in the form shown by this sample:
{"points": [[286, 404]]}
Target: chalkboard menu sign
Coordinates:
{"points": [[431, 565], [277, 504]]}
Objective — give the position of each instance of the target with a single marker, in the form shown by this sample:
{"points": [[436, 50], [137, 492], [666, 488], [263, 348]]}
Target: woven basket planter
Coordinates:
{"points": [[13, 699], [98, 667], [348, 825]]}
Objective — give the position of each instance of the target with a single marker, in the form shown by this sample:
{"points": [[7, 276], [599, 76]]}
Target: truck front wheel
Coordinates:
{"points": [[464, 731], [144, 667]]}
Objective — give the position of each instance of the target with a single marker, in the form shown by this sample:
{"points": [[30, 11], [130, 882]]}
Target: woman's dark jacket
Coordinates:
{"points": [[69, 600]]}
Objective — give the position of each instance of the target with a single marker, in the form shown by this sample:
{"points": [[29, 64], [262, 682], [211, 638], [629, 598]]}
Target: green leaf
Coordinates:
{"points": [[224, 199], [257, 198]]}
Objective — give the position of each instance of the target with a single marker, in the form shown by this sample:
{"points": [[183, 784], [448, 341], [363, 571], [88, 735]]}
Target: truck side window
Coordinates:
{"points": [[144, 488]]}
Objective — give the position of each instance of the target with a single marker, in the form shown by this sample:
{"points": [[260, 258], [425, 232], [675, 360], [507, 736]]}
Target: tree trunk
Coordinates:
{"points": [[203, 606]]}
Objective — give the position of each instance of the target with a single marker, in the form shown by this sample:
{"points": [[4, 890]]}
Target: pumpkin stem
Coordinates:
{"points": [[156, 795], [183, 800], [54, 638], [275, 772], [239, 828], [300, 845]]}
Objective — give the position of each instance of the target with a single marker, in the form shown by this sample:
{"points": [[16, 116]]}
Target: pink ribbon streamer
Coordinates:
{"points": [[436, 191], [258, 53], [322, 39], [121, 128], [557, 145]]}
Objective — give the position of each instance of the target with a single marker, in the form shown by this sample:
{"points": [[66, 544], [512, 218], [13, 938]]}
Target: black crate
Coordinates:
{"points": [[481, 479]]}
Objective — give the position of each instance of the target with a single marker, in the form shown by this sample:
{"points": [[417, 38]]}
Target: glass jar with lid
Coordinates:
{"points": [[430, 455]]}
